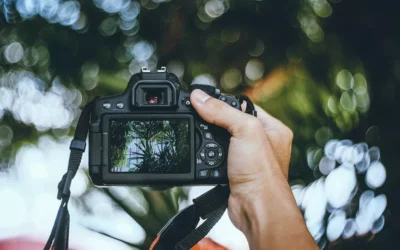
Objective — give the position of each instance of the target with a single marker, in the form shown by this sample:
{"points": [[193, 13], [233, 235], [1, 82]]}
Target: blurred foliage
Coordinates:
{"points": [[327, 69]]}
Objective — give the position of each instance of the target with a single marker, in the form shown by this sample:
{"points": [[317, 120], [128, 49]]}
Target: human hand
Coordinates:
{"points": [[258, 162]]}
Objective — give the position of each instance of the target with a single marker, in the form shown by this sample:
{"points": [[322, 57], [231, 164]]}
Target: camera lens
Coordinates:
{"points": [[154, 97]]}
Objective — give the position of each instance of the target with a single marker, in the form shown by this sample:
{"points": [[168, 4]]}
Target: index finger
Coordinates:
{"points": [[239, 124]]}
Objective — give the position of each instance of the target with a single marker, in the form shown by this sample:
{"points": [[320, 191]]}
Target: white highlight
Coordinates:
{"points": [[335, 227], [339, 188], [326, 165], [376, 175], [13, 209], [204, 80], [339, 184], [349, 229], [14, 52], [254, 69]]}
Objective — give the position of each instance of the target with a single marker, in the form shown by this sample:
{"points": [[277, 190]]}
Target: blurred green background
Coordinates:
{"points": [[327, 69]]}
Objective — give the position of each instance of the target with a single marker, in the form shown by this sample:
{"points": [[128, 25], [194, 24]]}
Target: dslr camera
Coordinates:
{"points": [[150, 135]]}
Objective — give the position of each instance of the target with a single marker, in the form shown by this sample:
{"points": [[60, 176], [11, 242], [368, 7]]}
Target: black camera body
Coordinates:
{"points": [[150, 135]]}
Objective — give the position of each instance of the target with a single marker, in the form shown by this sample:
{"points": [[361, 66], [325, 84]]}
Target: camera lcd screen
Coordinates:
{"points": [[158, 146]]}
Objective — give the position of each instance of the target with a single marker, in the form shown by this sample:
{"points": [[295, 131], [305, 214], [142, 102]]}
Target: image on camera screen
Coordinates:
{"points": [[149, 146]]}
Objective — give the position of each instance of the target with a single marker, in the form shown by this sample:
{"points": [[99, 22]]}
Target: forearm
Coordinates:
{"points": [[273, 221]]}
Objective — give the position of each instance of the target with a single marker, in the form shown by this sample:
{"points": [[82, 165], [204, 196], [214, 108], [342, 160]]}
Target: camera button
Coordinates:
{"points": [[220, 154], [211, 145], [211, 163], [216, 173], [203, 154], [203, 173], [120, 105], [187, 102], [208, 135], [106, 105], [223, 98], [234, 104], [211, 154], [203, 126]]}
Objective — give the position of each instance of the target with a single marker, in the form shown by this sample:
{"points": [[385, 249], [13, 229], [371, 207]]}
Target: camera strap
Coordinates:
{"points": [[180, 233], [59, 236]]}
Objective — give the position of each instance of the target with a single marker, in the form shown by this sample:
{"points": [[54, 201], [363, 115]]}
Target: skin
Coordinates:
{"points": [[261, 203]]}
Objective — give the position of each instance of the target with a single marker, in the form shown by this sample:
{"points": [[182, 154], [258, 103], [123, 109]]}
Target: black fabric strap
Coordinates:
{"points": [[200, 232], [59, 236], [181, 232]]}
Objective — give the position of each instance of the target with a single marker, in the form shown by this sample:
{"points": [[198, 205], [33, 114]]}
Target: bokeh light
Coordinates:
{"points": [[254, 69], [335, 192], [257, 49], [204, 80], [176, 67], [215, 8], [376, 175], [66, 13], [231, 78], [30, 103], [142, 51], [14, 52]]}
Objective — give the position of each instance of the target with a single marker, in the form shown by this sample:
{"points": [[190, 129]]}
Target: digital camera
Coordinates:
{"points": [[150, 135]]}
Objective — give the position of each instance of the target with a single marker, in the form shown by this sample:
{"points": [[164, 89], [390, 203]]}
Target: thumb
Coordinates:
{"points": [[214, 111]]}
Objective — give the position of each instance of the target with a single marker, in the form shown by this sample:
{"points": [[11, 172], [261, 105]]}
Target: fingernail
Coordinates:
{"points": [[200, 96]]}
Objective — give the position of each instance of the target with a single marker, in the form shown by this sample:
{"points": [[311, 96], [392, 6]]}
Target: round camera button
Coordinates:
{"points": [[211, 154], [203, 173], [208, 136], [234, 104], [106, 105], [120, 105], [223, 98], [216, 173]]}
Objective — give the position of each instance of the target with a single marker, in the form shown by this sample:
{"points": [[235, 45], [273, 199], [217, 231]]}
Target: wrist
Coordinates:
{"points": [[270, 214]]}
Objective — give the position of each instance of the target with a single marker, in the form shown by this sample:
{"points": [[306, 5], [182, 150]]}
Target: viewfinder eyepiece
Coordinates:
{"points": [[154, 96]]}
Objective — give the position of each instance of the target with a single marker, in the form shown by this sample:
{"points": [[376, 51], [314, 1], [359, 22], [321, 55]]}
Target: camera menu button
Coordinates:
{"points": [[203, 173]]}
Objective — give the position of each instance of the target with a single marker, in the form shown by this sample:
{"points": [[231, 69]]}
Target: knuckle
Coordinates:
{"points": [[252, 124], [245, 127], [287, 133]]}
